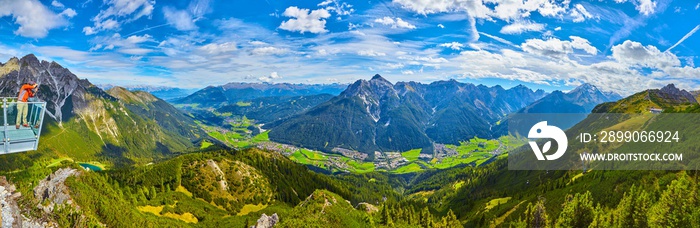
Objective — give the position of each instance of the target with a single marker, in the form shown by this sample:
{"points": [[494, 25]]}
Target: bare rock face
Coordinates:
{"points": [[10, 213], [267, 221], [53, 190]]}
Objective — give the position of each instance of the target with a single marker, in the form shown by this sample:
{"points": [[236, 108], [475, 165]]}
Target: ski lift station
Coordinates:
{"points": [[26, 137]]}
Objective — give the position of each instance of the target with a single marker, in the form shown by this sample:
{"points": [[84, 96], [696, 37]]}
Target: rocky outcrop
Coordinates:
{"points": [[53, 190], [219, 174], [267, 221], [369, 208], [10, 212]]}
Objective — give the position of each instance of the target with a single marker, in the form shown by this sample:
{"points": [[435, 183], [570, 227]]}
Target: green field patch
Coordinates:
{"points": [[313, 155], [411, 155], [299, 157], [248, 208], [495, 202], [205, 144], [57, 161], [410, 168], [361, 167], [243, 104], [262, 137], [156, 210]]}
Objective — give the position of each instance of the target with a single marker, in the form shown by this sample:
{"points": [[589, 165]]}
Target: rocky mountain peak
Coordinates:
{"points": [[670, 88], [378, 77], [584, 88], [671, 92], [31, 58], [519, 87], [380, 81]]}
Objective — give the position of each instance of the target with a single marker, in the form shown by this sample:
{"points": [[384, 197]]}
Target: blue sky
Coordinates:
{"points": [[617, 45]]}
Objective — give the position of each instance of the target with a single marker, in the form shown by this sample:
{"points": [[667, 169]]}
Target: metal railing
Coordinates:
{"points": [[19, 135]]}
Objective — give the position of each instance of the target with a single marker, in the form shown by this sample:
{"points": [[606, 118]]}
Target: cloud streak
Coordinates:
{"points": [[687, 35]]}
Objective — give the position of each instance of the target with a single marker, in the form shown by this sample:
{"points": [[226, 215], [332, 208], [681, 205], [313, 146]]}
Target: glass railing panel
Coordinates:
{"points": [[23, 120]]}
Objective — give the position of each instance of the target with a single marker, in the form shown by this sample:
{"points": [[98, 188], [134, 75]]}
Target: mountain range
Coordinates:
{"points": [[162, 92], [231, 93], [582, 99], [377, 115]]}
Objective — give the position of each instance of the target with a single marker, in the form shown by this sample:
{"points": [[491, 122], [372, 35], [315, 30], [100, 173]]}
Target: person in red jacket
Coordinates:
{"points": [[25, 92]]}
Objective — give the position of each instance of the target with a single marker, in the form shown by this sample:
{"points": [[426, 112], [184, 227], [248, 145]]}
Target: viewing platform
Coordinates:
{"points": [[26, 138]]}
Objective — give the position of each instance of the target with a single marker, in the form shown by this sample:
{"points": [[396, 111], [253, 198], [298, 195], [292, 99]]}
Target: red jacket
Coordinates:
{"points": [[26, 92]]}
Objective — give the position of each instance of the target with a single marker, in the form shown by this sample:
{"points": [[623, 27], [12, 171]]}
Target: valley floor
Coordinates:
{"points": [[474, 152]]}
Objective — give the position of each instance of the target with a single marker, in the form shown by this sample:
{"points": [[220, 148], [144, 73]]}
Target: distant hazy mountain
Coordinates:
{"points": [[216, 96], [580, 100], [162, 92], [376, 115], [86, 123], [269, 109]]}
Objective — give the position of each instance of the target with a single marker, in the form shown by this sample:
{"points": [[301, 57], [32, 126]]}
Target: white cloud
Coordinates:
{"points": [[582, 44], [407, 72], [269, 51], [395, 23], [557, 28], [119, 12], [370, 53], [453, 45], [325, 3], [519, 27], [135, 51], [184, 20], [70, 13], [580, 14], [273, 76], [395, 65], [473, 8], [180, 19], [215, 49], [129, 45], [341, 9], [139, 39], [499, 39], [57, 4], [440, 26], [558, 49], [646, 7], [504, 10], [635, 54], [304, 21], [257, 43], [697, 6], [34, 18]]}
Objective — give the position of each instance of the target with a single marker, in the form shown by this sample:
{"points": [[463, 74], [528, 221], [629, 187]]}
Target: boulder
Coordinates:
{"points": [[267, 221]]}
